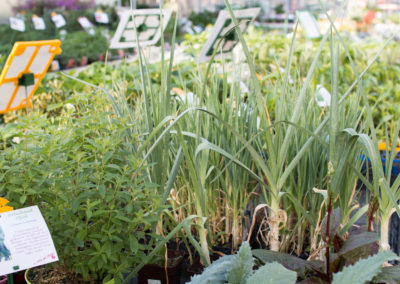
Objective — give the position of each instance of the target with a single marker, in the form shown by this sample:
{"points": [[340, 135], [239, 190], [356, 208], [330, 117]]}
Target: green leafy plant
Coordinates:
{"points": [[78, 169]]}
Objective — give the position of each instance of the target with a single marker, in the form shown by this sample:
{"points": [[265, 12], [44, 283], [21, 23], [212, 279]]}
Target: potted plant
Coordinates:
{"points": [[165, 267]]}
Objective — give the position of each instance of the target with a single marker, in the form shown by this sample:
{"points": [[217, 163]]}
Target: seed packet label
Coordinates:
{"points": [[101, 17], [17, 24], [25, 240], [322, 96], [58, 20], [86, 25], [38, 23]]}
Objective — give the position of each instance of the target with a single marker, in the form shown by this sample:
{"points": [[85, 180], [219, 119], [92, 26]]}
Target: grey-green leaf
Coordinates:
{"points": [[273, 273], [242, 265], [364, 270]]}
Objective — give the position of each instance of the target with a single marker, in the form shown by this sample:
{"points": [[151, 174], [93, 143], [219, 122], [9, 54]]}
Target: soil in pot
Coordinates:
{"points": [[52, 275], [157, 274]]}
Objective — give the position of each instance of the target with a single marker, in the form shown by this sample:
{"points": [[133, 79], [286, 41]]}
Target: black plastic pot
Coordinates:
{"points": [[151, 273]]}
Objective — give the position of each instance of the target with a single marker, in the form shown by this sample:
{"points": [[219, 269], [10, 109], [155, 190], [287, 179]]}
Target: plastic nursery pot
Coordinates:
{"points": [[197, 268], [71, 63], [3, 279], [155, 274], [84, 61]]}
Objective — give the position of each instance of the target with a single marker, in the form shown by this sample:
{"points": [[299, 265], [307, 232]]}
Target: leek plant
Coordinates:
{"points": [[279, 168]]}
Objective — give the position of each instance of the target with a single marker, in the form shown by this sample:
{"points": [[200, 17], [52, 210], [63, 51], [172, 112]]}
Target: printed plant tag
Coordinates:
{"points": [[322, 96], [38, 23], [58, 20], [101, 17], [55, 65], [86, 25], [17, 24], [25, 240]]}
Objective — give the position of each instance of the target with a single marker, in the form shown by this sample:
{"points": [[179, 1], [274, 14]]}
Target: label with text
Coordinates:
{"points": [[38, 23], [58, 20], [25, 240], [17, 24]]}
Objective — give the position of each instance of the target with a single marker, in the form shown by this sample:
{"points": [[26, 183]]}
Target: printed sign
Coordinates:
{"points": [[38, 23], [58, 20], [17, 24], [25, 240], [86, 25], [322, 96], [101, 17]]}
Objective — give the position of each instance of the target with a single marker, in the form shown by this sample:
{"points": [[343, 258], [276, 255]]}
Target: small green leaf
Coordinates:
{"points": [[22, 199], [88, 214], [133, 244]]}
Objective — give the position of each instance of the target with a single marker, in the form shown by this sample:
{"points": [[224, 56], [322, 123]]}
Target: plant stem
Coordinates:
{"points": [[203, 241], [384, 241], [236, 239], [328, 238], [274, 222], [372, 209]]}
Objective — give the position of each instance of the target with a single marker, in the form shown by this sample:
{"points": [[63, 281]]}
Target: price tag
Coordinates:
{"points": [[38, 23], [101, 17], [17, 24], [86, 25], [58, 20], [25, 240], [322, 96]]}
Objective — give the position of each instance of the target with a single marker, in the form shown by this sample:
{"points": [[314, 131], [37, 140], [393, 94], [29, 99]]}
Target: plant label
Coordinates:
{"points": [[86, 25], [26, 66], [148, 27], [17, 24], [322, 96], [101, 17], [38, 23], [223, 34], [25, 240], [55, 65], [309, 24], [58, 20]]}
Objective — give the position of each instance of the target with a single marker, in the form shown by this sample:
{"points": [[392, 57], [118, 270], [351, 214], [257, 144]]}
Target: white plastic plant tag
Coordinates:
{"points": [[38, 23], [152, 281], [58, 20], [309, 24], [101, 17], [322, 96], [86, 25], [55, 65], [25, 240], [63, 34], [17, 24]]}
